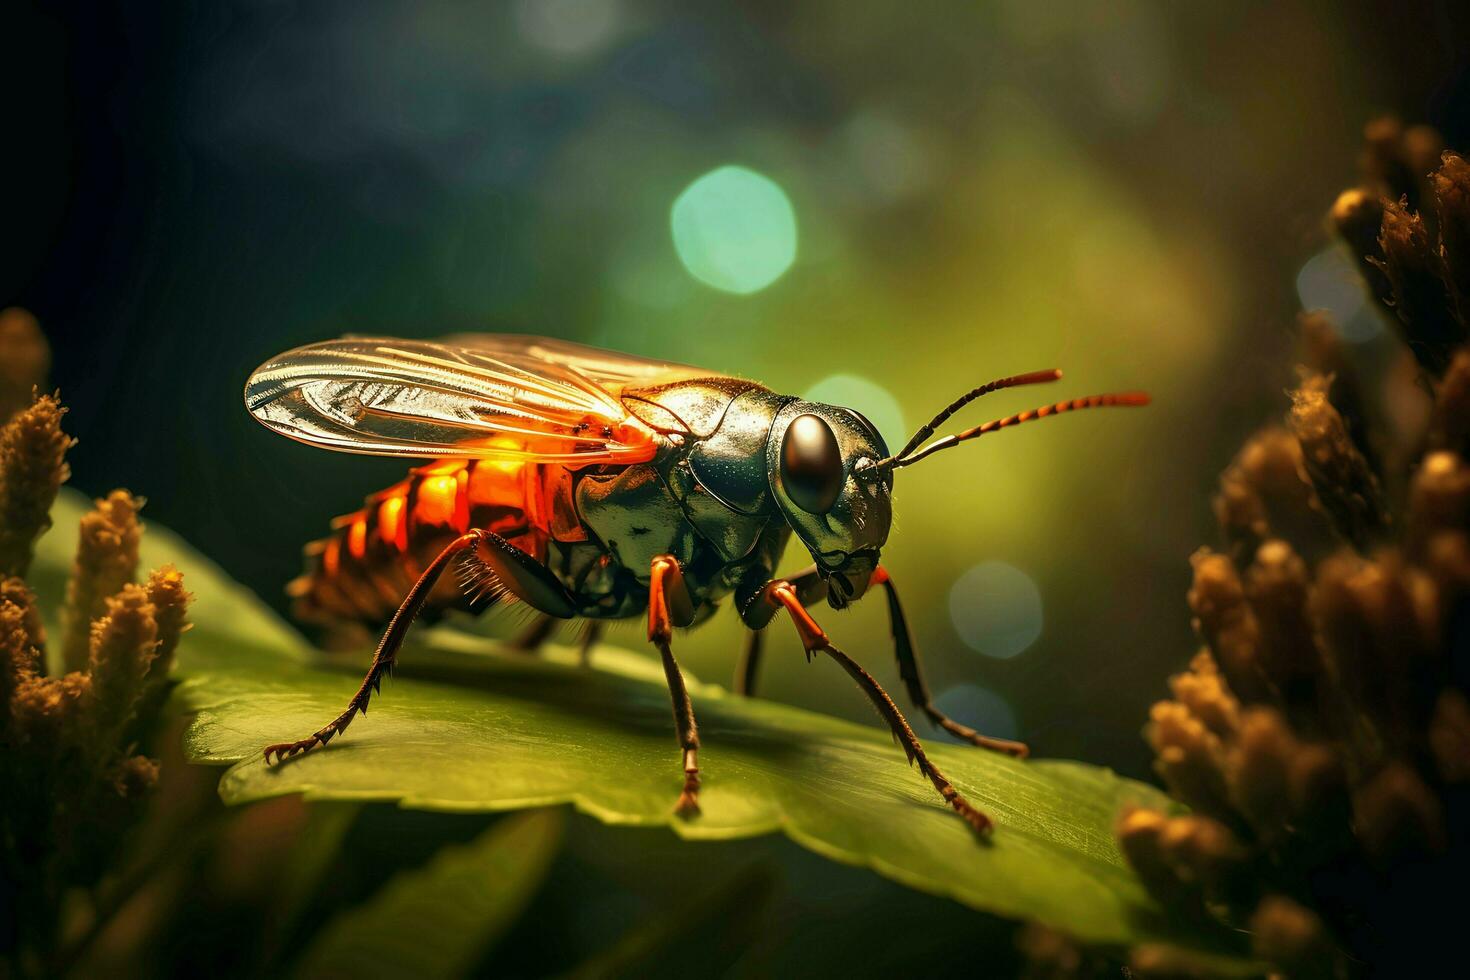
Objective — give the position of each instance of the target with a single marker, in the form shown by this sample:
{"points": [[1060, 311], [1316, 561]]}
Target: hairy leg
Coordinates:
{"points": [[529, 639], [749, 665], [782, 593], [387, 653], [492, 557], [669, 605], [913, 679], [590, 639]]}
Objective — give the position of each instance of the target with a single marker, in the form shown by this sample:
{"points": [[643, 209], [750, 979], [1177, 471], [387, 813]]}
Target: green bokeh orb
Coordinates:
{"points": [[734, 229], [868, 397]]}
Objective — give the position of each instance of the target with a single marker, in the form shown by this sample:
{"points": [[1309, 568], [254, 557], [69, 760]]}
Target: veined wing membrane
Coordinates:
{"points": [[387, 397], [613, 370]]}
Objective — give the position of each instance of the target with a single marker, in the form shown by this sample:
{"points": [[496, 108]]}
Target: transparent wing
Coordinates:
{"points": [[418, 398], [611, 369]]}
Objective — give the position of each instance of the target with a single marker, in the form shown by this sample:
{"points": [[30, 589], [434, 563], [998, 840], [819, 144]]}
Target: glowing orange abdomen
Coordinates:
{"points": [[362, 572]]}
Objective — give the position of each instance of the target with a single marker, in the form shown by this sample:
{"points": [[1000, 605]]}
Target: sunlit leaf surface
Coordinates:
{"points": [[465, 727]]}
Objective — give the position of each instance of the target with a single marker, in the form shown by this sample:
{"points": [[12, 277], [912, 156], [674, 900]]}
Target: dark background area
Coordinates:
{"points": [[1127, 192]]}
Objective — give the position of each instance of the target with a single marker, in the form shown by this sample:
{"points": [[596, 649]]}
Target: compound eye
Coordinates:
{"points": [[811, 464]]}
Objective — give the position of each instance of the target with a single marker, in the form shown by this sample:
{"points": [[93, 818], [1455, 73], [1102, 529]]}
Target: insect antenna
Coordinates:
{"points": [[1016, 381], [910, 456]]}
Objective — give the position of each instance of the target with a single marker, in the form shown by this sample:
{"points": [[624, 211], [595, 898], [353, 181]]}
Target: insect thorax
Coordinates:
{"points": [[704, 499]]}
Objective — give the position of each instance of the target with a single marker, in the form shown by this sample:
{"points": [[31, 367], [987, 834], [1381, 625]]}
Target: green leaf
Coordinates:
{"points": [[437, 921], [465, 727]]}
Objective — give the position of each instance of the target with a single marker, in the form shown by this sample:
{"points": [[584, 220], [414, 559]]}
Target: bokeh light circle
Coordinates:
{"points": [[982, 709], [996, 609], [568, 26], [1329, 281], [868, 397], [734, 229]]}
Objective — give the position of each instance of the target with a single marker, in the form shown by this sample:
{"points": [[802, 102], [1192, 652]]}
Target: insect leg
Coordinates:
{"points": [[908, 669], [669, 605], [810, 588], [529, 640], [590, 639], [749, 665], [387, 652], [783, 593]]}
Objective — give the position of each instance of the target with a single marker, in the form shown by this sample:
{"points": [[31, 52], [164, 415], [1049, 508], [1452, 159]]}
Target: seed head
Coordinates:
{"points": [[107, 559], [1346, 488], [32, 470]]}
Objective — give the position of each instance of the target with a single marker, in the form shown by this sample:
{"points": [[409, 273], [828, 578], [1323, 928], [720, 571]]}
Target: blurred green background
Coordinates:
{"points": [[1128, 191]]}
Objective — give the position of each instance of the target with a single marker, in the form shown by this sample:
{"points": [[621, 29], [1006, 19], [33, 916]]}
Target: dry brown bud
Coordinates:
{"points": [[123, 645], [1421, 299], [1447, 559], [1277, 585], [1346, 489], [15, 591], [32, 470], [1225, 621], [1398, 817], [1203, 691], [1048, 954], [107, 558], [1322, 351], [1241, 513], [1203, 853], [1140, 837], [1422, 148], [1357, 216], [1451, 183], [25, 360], [20, 658], [1188, 757], [1257, 772], [1449, 426], [45, 713], [1292, 938], [1439, 498], [1379, 622], [1449, 737], [1156, 961], [134, 776], [1382, 161], [1263, 493], [165, 590], [1319, 788]]}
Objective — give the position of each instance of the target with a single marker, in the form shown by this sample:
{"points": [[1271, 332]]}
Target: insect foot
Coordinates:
{"points": [[285, 750], [688, 802]]}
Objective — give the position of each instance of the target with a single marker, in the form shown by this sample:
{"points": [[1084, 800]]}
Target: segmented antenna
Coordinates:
{"points": [[1034, 378], [1123, 399]]}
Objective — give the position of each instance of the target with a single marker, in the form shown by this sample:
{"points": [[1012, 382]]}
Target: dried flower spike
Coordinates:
{"points": [[32, 470], [1451, 183], [1416, 271], [107, 558], [1450, 424], [1346, 488], [1357, 216], [1227, 623], [124, 643], [1188, 757], [1287, 934]]}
